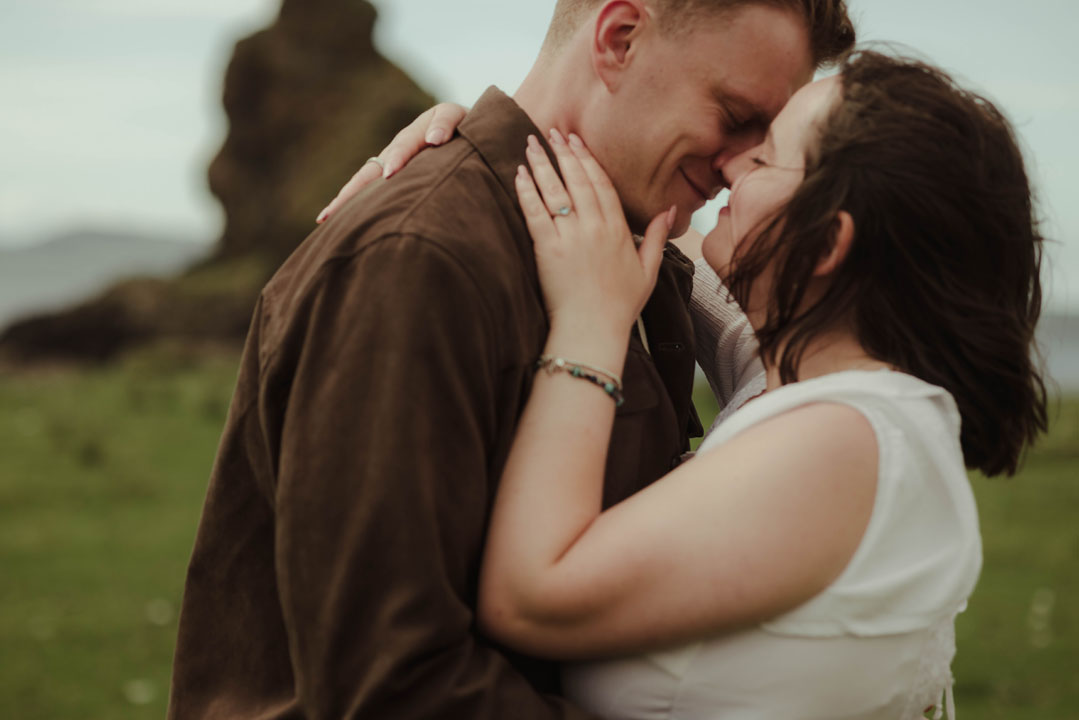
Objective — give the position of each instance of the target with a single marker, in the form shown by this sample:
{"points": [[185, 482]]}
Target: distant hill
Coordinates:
{"points": [[278, 165], [72, 267]]}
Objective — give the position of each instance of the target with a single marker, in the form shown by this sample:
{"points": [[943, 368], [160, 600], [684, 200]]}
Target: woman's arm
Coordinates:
{"points": [[737, 535], [740, 534]]}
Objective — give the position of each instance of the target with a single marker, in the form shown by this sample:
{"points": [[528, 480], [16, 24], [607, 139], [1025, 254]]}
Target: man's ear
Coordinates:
{"points": [[842, 237], [618, 29]]}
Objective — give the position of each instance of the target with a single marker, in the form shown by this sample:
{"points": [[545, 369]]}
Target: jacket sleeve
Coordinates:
{"points": [[383, 487], [726, 346]]}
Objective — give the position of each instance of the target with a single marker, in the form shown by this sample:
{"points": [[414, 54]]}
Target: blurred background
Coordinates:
{"points": [[159, 159]]}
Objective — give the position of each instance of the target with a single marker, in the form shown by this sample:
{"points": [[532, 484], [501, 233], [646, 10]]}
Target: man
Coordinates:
{"points": [[335, 569]]}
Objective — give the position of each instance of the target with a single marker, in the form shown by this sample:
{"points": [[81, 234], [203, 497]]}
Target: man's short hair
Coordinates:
{"points": [[831, 32]]}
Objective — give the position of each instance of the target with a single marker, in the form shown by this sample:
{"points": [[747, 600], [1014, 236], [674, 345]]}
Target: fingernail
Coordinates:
{"points": [[436, 137], [533, 143], [388, 170], [556, 137], [672, 215], [575, 141], [522, 171], [322, 216]]}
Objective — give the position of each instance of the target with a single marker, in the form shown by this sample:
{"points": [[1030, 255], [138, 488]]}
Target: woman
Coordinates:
{"points": [[809, 562]]}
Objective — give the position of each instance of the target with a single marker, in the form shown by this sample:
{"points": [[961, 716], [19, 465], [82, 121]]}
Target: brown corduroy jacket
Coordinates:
{"points": [[334, 573]]}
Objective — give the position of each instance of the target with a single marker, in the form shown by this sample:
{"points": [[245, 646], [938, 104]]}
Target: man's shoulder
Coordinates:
{"points": [[447, 210], [448, 196]]}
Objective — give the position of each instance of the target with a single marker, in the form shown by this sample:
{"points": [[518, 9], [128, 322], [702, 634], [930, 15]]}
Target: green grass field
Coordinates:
{"points": [[102, 475]]}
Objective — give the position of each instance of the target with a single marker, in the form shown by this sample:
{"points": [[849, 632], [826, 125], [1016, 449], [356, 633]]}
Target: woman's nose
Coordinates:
{"points": [[737, 167]]}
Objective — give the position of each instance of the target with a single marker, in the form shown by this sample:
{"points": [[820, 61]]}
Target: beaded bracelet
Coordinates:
{"points": [[561, 363], [612, 386]]}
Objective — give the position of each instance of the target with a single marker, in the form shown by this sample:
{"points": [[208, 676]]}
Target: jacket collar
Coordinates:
{"points": [[498, 128]]}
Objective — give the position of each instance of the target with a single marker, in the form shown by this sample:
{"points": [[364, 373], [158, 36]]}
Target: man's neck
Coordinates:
{"points": [[551, 95]]}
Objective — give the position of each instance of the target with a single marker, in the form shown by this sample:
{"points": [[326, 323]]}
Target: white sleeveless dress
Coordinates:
{"points": [[875, 644]]}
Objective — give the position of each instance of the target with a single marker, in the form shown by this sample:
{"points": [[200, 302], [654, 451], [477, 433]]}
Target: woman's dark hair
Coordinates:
{"points": [[942, 279]]}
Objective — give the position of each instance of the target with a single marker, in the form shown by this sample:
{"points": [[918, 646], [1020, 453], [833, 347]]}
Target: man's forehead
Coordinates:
{"points": [[755, 62]]}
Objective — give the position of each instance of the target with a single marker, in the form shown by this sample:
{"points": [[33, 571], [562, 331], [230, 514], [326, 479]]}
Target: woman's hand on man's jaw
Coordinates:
{"points": [[592, 274]]}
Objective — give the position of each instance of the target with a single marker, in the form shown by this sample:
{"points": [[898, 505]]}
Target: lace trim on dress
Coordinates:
{"points": [[933, 680]]}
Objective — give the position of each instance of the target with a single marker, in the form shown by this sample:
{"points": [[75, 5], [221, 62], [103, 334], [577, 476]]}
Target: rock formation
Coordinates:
{"points": [[308, 100]]}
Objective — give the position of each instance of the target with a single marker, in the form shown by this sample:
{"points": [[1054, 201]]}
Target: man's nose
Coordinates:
{"points": [[736, 147]]}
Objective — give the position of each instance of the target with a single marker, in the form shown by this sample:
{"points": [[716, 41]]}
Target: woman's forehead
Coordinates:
{"points": [[808, 107]]}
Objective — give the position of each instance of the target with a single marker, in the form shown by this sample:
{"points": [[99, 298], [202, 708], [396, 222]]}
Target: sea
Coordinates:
{"points": [[75, 266]]}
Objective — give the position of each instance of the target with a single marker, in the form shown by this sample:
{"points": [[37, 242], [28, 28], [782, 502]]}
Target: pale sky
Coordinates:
{"points": [[111, 108]]}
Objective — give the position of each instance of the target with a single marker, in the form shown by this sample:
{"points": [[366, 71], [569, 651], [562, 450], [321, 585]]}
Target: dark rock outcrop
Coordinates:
{"points": [[308, 100]]}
